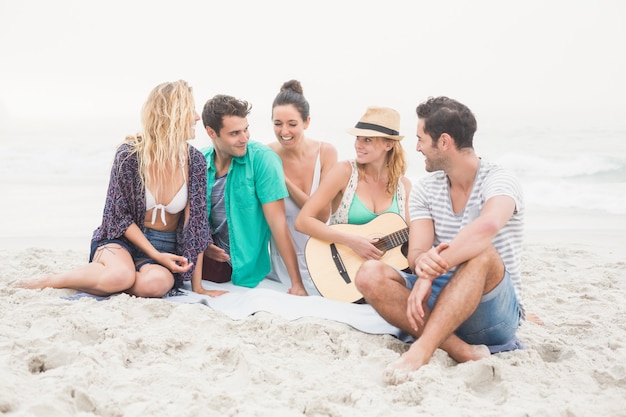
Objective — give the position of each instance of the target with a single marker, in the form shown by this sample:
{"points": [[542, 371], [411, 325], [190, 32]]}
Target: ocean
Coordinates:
{"points": [[53, 182]]}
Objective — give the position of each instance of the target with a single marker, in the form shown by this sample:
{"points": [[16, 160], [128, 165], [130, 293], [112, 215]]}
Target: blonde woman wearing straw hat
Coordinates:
{"points": [[361, 189]]}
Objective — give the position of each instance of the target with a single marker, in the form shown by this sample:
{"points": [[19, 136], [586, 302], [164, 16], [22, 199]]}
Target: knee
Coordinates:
{"points": [[368, 276], [153, 290], [492, 254], [490, 257], [153, 283], [119, 278]]}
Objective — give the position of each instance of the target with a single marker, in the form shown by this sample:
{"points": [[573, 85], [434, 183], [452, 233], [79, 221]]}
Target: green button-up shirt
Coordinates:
{"points": [[254, 179]]}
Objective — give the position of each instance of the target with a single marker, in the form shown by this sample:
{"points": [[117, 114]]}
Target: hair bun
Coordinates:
{"points": [[293, 85]]}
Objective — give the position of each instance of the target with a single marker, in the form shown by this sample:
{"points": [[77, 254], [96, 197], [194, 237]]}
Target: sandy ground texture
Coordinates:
{"points": [[142, 357]]}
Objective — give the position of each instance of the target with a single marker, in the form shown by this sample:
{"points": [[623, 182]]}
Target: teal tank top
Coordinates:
{"points": [[360, 214]]}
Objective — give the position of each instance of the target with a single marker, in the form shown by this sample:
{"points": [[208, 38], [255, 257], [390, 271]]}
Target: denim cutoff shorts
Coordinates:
{"points": [[495, 320], [162, 241]]}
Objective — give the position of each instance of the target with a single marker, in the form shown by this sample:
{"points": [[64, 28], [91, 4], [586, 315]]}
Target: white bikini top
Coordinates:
{"points": [[177, 204]]}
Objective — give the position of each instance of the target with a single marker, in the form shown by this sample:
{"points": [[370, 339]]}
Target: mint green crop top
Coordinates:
{"points": [[343, 214], [360, 214]]}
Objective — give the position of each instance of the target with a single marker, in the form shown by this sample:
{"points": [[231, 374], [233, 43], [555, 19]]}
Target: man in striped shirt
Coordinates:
{"points": [[465, 243]]}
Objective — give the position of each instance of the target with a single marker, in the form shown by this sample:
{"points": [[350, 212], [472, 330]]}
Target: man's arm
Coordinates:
{"points": [[468, 243], [478, 235], [421, 238], [429, 263], [196, 280], [275, 215]]}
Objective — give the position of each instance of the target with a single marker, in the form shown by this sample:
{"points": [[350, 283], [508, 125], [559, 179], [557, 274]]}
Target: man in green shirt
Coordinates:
{"points": [[245, 191]]}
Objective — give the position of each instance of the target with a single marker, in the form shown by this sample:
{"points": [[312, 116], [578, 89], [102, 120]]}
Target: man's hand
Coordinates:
{"points": [[297, 290], [210, 293], [429, 265], [415, 303], [216, 253]]}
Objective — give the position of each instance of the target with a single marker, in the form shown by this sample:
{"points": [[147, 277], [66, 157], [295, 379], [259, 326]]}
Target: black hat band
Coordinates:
{"points": [[378, 128]]}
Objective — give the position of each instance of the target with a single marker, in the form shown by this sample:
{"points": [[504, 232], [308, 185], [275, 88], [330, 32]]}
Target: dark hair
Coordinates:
{"points": [[445, 115], [222, 105], [291, 93]]}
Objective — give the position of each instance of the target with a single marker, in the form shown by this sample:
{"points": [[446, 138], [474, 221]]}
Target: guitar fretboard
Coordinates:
{"points": [[392, 240]]}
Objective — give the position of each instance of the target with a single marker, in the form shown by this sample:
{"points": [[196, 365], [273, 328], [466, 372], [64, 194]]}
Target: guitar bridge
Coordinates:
{"points": [[341, 268]]}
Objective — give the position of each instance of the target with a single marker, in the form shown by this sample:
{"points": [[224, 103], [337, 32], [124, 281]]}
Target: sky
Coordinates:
{"points": [[75, 64]]}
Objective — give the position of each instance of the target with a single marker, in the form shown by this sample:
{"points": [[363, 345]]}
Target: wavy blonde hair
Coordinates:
{"points": [[167, 117], [396, 165]]}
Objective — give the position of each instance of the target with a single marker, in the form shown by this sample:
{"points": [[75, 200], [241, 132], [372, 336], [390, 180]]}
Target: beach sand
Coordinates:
{"points": [[142, 357]]}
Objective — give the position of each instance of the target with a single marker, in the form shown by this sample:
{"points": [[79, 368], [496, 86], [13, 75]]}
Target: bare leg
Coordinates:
{"points": [[152, 280], [456, 302], [384, 289], [112, 270]]}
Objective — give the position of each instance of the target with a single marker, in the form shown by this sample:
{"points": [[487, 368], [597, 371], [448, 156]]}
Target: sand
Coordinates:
{"points": [[143, 357]]}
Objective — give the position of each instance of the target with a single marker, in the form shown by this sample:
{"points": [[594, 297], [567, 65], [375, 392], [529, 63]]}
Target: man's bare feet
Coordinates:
{"points": [[395, 376], [472, 353], [398, 372]]}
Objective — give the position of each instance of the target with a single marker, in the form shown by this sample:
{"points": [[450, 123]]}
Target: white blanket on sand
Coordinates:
{"points": [[271, 297]]}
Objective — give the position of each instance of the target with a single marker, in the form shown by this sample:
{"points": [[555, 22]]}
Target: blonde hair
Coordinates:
{"points": [[167, 117], [396, 165]]}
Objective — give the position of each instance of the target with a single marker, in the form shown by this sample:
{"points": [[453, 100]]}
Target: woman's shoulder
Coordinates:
{"points": [[195, 152], [406, 182], [342, 168], [275, 146], [196, 157], [328, 153], [126, 147], [125, 153], [327, 146]]}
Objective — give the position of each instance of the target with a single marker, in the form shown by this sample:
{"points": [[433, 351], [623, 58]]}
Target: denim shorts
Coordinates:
{"points": [[495, 320], [162, 241]]}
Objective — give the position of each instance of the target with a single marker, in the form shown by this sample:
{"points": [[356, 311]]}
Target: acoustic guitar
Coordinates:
{"points": [[333, 266]]}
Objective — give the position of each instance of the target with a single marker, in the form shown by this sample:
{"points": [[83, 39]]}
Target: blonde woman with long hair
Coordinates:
{"points": [[155, 221]]}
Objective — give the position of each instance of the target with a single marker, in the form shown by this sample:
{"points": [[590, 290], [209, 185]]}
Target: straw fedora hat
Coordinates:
{"points": [[378, 122]]}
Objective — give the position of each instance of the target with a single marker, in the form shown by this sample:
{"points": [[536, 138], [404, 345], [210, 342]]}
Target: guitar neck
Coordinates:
{"points": [[392, 240]]}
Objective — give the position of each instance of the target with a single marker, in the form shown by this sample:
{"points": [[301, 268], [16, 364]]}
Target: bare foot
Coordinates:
{"points": [[477, 352], [400, 370], [33, 283], [533, 318], [473, 353], [397, 372], [393, 376]]}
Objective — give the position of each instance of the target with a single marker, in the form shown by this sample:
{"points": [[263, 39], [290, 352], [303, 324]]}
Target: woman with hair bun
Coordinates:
{"points": [[306, 162]]}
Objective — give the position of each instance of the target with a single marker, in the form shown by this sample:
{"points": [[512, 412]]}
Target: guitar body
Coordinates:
{"points": [[333, 266]]}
